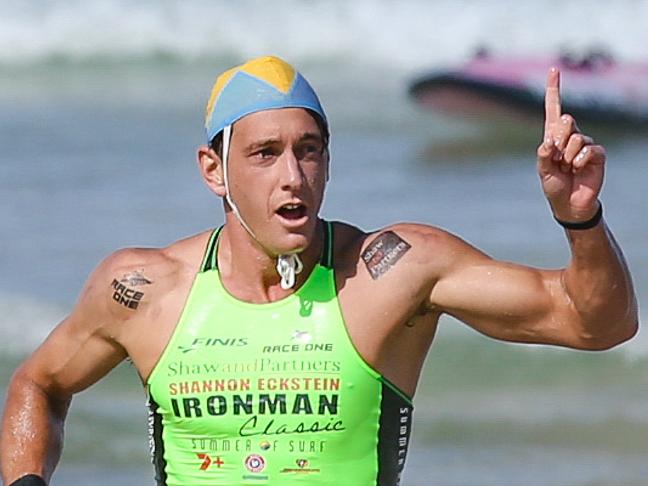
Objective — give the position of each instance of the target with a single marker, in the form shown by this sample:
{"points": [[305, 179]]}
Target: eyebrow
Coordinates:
{"points": [[265, 142], [311, 136], [261, 143]]}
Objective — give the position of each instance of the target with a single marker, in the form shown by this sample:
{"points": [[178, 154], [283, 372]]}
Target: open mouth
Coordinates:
{"points": [[292, 211]]}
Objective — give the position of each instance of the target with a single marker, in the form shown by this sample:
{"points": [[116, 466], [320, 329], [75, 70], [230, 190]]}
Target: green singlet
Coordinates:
{"points": [[272, 394]]}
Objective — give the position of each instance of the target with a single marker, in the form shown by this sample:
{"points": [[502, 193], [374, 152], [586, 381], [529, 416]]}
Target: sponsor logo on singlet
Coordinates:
{"points": [[303, 467], [208, 461], [204, 342], [255, 463]]}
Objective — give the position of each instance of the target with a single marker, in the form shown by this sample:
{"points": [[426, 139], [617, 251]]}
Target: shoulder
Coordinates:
{"points": [[156, 262], [130, 280], [399, 265], [432, 249]]}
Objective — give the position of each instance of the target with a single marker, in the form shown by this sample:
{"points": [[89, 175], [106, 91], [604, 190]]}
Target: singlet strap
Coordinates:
{"points": [[327, 253], [211, 258]]}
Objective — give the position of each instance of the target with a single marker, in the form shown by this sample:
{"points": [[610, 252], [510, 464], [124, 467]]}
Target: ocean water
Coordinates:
{"points": [[100, 115]]}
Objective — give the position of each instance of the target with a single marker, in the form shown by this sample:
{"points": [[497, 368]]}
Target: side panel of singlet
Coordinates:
{"points": [[272, 394]]}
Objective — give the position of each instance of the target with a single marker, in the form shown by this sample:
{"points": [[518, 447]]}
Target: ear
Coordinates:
{"points": [[211, 169]]}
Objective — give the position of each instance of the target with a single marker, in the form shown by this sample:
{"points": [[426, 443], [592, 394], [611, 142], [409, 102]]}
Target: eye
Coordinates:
{"points": [[312, 148], [311, 151], [264, 153]]}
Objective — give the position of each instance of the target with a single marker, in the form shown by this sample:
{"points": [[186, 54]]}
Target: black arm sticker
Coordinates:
{"points": [[125, 296], [383, 253]]}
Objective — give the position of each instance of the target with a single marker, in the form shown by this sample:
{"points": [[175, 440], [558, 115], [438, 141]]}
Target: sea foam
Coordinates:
{"points": [[25, 323], [396, 35]]}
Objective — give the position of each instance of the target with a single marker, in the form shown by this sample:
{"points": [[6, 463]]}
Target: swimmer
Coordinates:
{"points": [[282, 348]]}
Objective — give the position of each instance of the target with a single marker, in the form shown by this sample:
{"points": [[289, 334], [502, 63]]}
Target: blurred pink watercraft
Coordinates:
{"points": [[595, 88]]}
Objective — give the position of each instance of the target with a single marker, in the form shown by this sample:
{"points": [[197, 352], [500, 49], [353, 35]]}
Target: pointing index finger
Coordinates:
{"points": [[552, 98]]}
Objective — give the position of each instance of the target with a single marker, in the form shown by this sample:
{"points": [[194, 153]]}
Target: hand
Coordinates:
{"points": [[570, 165]]}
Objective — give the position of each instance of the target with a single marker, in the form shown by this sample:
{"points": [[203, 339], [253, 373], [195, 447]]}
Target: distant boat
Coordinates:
{"points": [[595, 88]]}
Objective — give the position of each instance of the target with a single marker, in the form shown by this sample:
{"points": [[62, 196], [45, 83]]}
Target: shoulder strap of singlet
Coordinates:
{"points": [[210, 262], [327, 253]]}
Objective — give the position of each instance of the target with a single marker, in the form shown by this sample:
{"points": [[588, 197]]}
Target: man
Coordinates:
{"points": [[283, 349]]}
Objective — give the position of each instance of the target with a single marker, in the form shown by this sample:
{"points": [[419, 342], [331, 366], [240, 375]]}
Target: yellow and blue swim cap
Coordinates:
{"points": [[264, 83]]}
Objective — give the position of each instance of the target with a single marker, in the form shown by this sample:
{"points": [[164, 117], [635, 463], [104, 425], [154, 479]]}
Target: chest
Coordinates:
{"points": [[376, 322]]}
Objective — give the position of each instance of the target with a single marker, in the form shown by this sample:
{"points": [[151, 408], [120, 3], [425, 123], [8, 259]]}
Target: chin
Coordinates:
{"points": [[293, 243], [296, 240]]}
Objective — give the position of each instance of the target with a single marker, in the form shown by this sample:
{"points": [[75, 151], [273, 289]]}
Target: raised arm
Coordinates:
{"points": [[588, 305], [79, 351]]}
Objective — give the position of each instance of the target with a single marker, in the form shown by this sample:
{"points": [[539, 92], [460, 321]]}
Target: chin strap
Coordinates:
{"points": [[227, 135], [288, 266]]}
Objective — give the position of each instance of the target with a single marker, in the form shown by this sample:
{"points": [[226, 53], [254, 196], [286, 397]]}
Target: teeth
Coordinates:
{"points": [[291, 206]]}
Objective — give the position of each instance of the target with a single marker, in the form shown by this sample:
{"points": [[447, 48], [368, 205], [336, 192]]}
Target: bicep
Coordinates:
{"points": [[73, 357], [82, 348], [504, 300]]}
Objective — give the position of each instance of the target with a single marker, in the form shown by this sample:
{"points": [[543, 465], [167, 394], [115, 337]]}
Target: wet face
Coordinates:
{"points": [[277, 173]]}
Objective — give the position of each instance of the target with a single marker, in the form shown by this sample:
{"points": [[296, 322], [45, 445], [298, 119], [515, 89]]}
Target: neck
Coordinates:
{"points": [[248, 270]]}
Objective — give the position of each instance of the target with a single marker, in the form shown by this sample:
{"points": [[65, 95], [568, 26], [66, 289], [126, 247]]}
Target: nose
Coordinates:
{"points": [[292, 176]]}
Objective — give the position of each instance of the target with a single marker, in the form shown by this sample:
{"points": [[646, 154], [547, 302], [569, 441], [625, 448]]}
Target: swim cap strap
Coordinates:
{"points": [[227, 135], [288, 266]]}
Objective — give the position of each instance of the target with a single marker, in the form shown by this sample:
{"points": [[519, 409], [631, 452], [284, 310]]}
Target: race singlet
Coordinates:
{"points": [[272, 394]]}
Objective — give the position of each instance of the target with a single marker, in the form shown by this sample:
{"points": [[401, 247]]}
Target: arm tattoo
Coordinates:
{"points": [[135, 278], [127, 296], [383, 253]]}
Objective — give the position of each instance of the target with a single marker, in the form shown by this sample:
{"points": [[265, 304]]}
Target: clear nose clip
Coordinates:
{"points": [[288, 266]]}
